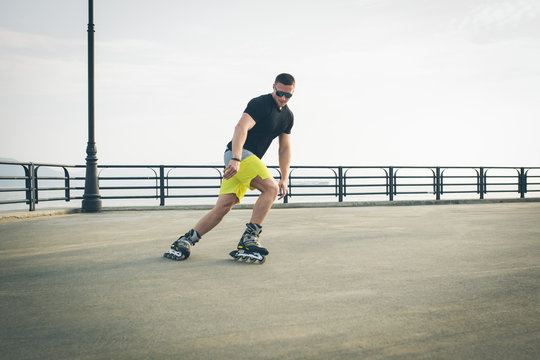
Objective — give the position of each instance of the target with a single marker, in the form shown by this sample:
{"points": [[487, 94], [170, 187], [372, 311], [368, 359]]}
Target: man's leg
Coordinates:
{"points": [[224, 204], [269, 191], [249, 247]]}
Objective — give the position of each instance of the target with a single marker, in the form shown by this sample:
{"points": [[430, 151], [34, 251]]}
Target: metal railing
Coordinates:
{"points": [[34, 183]]}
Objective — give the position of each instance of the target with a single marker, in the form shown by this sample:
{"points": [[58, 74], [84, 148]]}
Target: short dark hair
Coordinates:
{"points": [[285, 79]]}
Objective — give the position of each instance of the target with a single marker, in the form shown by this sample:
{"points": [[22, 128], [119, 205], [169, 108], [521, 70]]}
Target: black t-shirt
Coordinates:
{"points": [[270, 123]]}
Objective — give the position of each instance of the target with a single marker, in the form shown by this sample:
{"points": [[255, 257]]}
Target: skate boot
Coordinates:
{"points": [[181, 248], [249, 248]]}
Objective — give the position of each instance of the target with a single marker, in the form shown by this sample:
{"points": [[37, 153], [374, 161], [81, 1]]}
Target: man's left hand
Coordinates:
{"points": [[282, 188]]}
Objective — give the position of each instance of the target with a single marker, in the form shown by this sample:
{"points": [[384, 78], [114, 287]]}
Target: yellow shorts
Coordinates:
{"points": [[250, 168]]}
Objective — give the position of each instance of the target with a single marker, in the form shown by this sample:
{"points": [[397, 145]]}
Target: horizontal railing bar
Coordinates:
{"points": [[13, 177], [295, 177], [313, 194], [314, 186], [192, 177], [127, 188], [414, 192], [502, 191], [194, 196], [364, 177], [20, 201], [193, 187], [460, 192], [13, 190], [130, 197], [54, 199], [364, 185], [416, 177], [152, 178], [52, 188], [410, 185]]}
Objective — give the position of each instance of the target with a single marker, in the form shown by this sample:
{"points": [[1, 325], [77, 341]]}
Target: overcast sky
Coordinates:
{"points": [[379, 82]]}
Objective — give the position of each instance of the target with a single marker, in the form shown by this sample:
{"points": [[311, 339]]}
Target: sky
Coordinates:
{"points": [[379, 82]]}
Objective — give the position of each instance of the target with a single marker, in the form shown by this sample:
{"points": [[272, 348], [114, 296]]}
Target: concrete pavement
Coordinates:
{"points": [[415, 282]]}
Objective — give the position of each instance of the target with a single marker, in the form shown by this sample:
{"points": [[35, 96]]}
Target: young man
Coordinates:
{"points": [[265, 118]]}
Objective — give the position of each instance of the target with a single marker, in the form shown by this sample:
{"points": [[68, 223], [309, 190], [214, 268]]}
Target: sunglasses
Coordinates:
{"points": [[281, 93]]}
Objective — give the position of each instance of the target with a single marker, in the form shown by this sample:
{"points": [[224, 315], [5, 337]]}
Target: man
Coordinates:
{"points": [[265, 118]]}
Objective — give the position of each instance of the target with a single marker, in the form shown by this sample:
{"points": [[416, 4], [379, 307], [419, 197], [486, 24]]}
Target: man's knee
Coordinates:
{"points": [[224, 205], [271, 187]]}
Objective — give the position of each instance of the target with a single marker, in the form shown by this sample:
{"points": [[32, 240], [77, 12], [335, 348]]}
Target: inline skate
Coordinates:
{"points": [[181, 248], [249, 248]]}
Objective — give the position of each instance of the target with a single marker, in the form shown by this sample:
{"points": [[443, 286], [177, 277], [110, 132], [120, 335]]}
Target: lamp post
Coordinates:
{"points": [[91, 198]]}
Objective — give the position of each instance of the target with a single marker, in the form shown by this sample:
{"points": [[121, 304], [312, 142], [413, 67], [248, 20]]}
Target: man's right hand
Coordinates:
{"points": [[231, 169]]}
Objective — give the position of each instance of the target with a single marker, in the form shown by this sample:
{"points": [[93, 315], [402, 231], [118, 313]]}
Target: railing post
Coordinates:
{"points": [[481, 183], [391, 183], [161, 185], [30, 187], [340, 184], [485, 182], [67, 190], [36, 185], [522, 183], [27, 182], [438, 186], [289, 193]]}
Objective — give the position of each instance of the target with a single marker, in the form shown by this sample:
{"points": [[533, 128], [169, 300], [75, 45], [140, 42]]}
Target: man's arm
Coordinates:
{"points": [[284, 162], [239, 138]]}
